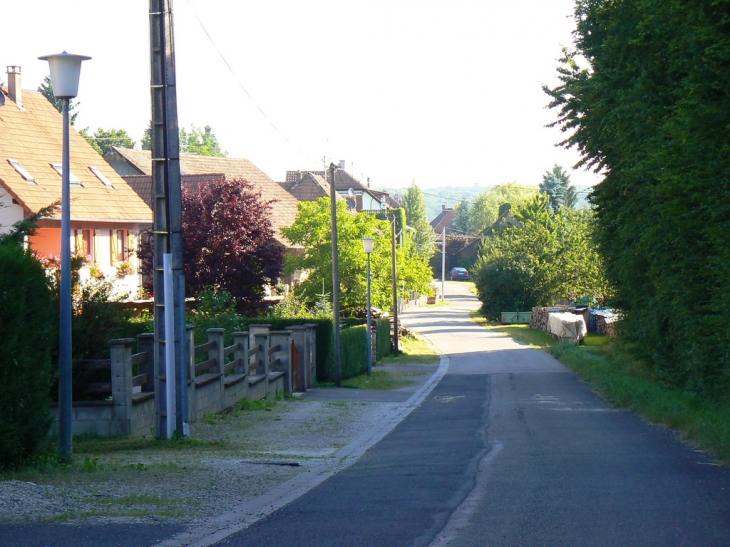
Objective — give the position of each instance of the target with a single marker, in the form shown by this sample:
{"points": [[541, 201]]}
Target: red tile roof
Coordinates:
{"points": [[283, 206], [33, 136]]}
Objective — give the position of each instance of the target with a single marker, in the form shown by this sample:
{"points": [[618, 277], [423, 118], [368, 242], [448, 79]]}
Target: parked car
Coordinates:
{"points": [[459, 273]]}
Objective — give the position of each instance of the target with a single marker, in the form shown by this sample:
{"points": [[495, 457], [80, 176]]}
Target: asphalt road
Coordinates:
{"points": [[509, 449]]}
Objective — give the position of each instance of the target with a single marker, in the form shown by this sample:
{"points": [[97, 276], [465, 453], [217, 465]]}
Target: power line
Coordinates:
{"points": [[240, 84]]}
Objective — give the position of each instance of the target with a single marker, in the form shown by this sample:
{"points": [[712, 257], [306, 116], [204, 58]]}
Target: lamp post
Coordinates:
{"points": [[65, 70], [368, 243]]}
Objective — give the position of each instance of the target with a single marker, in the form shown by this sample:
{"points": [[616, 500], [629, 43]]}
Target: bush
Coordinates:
{"points": [[382, 339], [26, 373]]}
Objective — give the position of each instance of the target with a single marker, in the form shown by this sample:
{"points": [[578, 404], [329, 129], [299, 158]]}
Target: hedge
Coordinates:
{"points": [[28, 316], [382, 339]]}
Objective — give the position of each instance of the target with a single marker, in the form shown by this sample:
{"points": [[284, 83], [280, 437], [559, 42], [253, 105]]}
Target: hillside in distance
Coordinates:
{"points": [[449, 196]]}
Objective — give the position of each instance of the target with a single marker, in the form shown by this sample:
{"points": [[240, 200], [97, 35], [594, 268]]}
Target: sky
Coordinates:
{"points": [[440, 93]]}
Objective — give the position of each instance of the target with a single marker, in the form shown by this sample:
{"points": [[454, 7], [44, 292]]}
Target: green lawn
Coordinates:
{"points": [[625, 382]]}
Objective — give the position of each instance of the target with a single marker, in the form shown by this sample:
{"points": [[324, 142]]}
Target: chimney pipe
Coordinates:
{"points": [[14, 85]]}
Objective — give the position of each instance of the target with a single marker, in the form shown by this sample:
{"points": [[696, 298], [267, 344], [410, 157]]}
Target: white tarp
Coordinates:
{"points": [[567, 326]]}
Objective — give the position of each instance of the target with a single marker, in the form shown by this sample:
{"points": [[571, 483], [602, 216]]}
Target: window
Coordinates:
{"points": [[119, 246], [101, 177], [21, 170], [86, 244], [73, 179]]}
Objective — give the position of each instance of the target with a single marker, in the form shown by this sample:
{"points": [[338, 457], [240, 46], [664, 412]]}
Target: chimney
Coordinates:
{"points": [[14, 85], [443, 207], [368, 182]]}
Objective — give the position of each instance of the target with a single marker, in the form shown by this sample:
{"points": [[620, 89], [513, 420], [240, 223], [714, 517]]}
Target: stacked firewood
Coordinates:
{"points": [[540, 316], [606, 326]]}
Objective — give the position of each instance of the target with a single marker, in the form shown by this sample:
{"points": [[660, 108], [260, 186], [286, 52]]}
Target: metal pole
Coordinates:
{"points": [[443, 264], [335, 277], [396, 349], [370, 342], [65, 392]]}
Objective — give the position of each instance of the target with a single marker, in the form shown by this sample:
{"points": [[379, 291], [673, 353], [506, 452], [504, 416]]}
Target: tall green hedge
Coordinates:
{"points": [[651, 113], [26, 373], [382, 338], [353, 351]]}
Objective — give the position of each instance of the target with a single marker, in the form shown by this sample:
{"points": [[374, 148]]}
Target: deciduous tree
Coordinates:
{"points": [[414, 204], [228, 241], [102, 140]]}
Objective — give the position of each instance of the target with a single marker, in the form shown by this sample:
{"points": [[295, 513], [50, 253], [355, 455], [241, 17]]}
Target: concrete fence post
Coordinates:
{"points": [[216, 335], [281, 338], [240, 340], [192, 398], [121, 371]]}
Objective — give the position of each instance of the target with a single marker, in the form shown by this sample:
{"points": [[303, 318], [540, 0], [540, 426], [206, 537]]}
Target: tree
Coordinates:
{"points": [[46, 88], [103, 140], [650, 112], [200, 141], [486, 207], [195, 141], [462, 217], [312, 230], [146, 141], [228, 241], [556, 184], [414, 204], [548, 258]]}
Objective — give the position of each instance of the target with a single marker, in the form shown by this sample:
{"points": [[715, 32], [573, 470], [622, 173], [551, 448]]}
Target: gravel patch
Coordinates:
{"points": [[261, 450]]}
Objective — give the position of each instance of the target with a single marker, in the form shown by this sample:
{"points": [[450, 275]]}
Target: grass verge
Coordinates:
{"points": [[413, 350], [625, 382]]}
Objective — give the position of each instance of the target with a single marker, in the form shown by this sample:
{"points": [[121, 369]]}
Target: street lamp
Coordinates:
{"points": [[65, 70], [368, 243]]}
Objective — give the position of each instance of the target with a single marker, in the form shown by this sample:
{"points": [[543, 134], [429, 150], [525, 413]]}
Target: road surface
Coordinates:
{"points": [[509, 449]]}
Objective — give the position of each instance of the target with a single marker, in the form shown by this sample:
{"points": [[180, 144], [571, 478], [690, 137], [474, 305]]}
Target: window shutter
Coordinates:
{"points": [[79, 243], [97, 242], [114, 247]]}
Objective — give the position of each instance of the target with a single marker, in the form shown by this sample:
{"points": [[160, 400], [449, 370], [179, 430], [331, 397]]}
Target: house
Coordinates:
{"points": [[307, 185], [443, 220], [106, 213], [361, 197], [129, 162]]}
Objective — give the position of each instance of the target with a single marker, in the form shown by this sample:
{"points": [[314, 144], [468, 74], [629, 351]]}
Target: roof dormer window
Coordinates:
{"points": [[21, 170], [73, 179], [101, 177]]}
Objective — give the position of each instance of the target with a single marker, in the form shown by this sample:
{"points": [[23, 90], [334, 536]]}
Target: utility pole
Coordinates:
{"points": [[396, 349], [167, 206], [443, 264], [335, 277]]}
